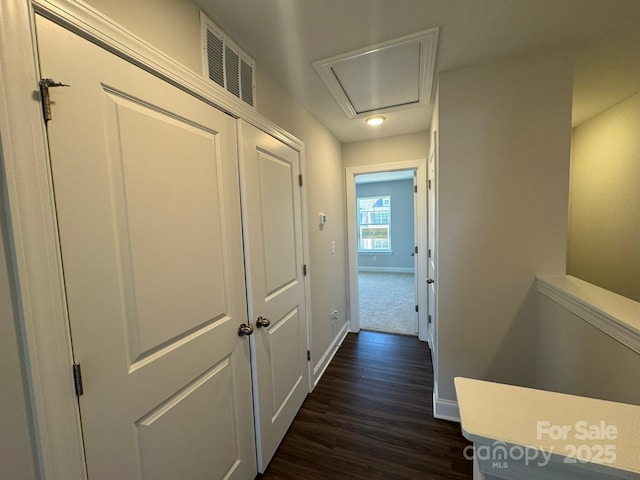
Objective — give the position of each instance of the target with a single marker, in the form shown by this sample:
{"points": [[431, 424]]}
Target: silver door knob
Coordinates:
{"points": [[430, 281], [263, 322], [245, 330]]}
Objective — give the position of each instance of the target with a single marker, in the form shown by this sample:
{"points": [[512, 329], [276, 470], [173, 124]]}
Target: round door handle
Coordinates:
{"points": [[430, 281], [263, 322], [245, 330]]}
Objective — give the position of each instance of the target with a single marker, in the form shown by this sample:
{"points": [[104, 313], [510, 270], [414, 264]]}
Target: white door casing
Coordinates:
{"points": [[272, 224], [146, 192], [420, 229], [416, 259]]}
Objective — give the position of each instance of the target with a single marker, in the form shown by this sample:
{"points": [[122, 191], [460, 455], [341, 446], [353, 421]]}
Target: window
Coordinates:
{"points": [[374, 224]]}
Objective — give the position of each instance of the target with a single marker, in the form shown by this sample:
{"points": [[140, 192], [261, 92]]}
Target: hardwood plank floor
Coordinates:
{"points": [[371, 417]]}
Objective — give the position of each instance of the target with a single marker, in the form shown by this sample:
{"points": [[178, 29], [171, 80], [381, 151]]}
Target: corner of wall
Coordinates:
{"points": [[502, 203]]}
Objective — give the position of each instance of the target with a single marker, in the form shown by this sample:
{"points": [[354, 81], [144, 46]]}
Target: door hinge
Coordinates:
{"points": [[415, 189], [304, 270], [300, 179], [77, 379], [429, 319], [429, 184], [415, 249], [429, 253], [45, 84], [417, 308], [309, 355]]}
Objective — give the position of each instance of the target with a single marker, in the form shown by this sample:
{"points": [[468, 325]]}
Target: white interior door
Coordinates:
{"points": [[414, 254], [147, 199], [431, 239], [273, 246]]}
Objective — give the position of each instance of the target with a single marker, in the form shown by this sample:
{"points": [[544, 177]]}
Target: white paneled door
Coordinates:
{"points": [[431, 239], [273, 245], [147, 199]]}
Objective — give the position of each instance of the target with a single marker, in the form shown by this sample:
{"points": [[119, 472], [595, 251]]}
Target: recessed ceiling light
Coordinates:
{"points": [[375, 120]]}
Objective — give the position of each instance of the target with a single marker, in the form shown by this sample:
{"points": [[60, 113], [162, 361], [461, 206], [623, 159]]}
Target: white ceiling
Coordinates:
{"points": [[286, 36]]}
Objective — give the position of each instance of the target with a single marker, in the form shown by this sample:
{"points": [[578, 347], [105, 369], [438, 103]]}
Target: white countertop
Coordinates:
{"points": [[552, 422]]}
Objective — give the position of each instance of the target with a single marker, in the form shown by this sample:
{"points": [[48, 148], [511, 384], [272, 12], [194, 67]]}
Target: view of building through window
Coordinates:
{"points": [[374, 224]]}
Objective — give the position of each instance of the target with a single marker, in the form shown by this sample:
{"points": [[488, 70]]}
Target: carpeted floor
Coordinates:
{"points": [[387, 302]]}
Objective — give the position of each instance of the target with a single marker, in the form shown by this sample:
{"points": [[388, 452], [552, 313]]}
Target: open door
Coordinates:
{"points": [[431, 254], [414, 254]]}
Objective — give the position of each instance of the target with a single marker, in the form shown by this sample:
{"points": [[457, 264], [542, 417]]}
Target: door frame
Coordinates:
{"points": [[34, 244], [420, 226]]}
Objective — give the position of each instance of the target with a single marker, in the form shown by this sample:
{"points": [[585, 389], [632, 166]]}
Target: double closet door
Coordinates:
{"points": [[147, 193]]}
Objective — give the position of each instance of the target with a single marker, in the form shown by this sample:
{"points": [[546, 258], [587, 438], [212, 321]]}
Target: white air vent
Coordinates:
{"points": [[225, 64]]}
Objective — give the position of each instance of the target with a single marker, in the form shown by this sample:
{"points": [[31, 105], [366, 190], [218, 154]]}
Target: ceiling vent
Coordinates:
{"points": [[225, 64], [388, 76]]}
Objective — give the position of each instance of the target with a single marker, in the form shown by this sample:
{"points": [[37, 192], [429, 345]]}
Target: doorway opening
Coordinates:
{"points": [[386, 251], [387, 230]]}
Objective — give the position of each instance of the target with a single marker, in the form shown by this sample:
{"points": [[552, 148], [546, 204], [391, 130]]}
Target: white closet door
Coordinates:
{"points": [[273, 242], [147, 198]]}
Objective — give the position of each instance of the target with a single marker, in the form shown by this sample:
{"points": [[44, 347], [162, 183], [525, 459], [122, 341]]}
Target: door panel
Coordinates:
{"points": [[273, 235], [278, 222], [148, 206], [214, 444], [284, 353], [158, 215]]}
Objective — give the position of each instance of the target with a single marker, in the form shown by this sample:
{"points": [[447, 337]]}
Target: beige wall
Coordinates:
{"points": [[604, 233], [504, 145], [173, 26], [386, 150], [325, 193], [16, 452], [575, 357]]}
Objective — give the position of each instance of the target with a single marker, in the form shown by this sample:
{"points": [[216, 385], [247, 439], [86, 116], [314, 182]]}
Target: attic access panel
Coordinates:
{"points": [[384, 77]]}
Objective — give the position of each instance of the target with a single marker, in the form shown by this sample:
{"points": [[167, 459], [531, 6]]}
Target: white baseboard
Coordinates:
{"points": [[445, 409], [387, 269], [328, 355]]}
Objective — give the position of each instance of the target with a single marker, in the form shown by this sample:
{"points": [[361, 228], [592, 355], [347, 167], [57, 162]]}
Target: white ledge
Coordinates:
{"points": [[615, 315], [556, 429]]}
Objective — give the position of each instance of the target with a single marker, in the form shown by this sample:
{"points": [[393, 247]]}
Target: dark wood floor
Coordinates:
{"points": [[371, 417]]}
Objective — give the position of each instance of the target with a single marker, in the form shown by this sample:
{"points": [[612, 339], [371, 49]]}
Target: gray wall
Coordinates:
{"points": [[16, 452], [402, 238], [575, 357], [503, 176]]}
